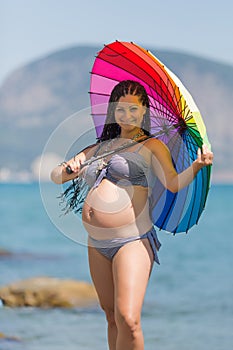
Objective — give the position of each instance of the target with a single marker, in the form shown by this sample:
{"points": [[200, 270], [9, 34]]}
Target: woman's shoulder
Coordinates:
{"points": [[158, 149], [155, 144]]}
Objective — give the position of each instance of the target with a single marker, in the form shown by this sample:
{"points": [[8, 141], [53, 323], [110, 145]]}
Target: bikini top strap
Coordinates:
{"points": [[98, 149]]}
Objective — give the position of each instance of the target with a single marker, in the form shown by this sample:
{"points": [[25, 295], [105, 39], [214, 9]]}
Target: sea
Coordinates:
{"points": [[189, 300]]}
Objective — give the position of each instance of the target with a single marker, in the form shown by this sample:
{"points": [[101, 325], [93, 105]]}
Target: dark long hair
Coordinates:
{"points": [[111, 128]]}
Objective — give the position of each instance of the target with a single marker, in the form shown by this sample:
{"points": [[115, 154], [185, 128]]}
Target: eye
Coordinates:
{"points": [[120, 110], [134, 109]]}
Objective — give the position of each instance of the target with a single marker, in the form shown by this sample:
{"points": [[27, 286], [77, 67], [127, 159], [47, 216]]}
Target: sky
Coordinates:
{"points": [[32, 29]]}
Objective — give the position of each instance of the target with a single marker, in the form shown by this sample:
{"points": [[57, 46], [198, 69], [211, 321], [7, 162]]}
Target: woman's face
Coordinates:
{"points": [[129, 112]]}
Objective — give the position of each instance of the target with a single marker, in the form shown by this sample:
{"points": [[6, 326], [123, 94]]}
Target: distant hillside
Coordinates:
{"points": [[36, 98]]}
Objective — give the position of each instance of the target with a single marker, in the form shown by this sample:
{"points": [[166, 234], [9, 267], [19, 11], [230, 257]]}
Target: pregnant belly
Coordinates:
{"points": [[113, 211]]}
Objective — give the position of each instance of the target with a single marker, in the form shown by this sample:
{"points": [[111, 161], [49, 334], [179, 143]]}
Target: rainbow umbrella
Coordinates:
{"points": [[175, 119]]}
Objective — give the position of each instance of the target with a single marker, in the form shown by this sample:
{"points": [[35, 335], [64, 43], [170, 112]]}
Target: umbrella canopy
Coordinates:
{"points": [[175, 119]]}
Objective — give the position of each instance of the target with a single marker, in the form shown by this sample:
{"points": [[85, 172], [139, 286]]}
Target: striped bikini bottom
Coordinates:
{"points": [[109, 248]]}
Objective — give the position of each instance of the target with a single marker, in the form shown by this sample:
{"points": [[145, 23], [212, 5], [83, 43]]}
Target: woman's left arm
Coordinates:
{"points": [[165, 171]]}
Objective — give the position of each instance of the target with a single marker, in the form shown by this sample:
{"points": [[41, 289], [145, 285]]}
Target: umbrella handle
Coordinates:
{"points": [[90, 161]]}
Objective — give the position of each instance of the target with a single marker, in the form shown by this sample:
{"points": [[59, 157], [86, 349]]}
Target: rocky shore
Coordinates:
{"points": [[8, 338], [4, 252], [48, 292]]}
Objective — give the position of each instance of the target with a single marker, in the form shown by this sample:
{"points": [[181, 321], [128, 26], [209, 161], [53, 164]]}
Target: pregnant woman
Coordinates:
{"points": [[114, 193]]}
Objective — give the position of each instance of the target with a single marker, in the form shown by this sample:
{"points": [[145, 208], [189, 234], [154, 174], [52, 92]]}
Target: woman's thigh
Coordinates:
{"points": [[102, 277], [132, 266]]}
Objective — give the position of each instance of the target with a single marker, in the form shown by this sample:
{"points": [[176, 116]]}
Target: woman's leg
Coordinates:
{"points": [[131, 270], [101, 273]]}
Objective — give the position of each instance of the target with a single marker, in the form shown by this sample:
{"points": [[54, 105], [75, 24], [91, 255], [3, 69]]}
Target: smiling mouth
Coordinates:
{"points": [[128, 122]]}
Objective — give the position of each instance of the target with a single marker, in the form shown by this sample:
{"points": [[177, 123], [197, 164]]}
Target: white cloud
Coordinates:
{"points": [[42, 166]]}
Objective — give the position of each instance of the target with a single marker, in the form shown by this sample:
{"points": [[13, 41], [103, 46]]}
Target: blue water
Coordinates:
{"points": [[188, 305]]}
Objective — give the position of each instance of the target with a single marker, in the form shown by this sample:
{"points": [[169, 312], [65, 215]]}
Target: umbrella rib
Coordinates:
{"points": [[162, 106], [99, 94]]}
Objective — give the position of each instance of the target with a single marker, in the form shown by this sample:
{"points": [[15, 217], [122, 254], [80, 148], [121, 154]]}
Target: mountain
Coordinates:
{"points": [[36, 98]]}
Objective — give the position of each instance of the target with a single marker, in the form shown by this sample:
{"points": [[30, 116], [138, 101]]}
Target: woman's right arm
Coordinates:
{"points": [[59, 174]]}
